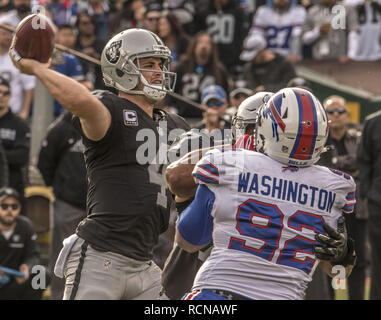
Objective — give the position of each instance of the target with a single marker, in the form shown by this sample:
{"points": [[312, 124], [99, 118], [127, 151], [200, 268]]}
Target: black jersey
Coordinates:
{"points": [[127, 202], [21, 247]]}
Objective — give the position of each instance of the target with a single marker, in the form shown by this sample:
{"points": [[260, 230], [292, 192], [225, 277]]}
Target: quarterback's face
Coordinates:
{"points": [[154, 64]]}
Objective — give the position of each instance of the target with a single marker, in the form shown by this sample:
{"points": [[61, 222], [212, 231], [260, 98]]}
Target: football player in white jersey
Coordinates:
{"points": [[271, 214], [181, 266]]}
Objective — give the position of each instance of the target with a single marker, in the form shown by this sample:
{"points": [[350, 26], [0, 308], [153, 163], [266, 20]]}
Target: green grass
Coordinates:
{"points": [[342, 294]]}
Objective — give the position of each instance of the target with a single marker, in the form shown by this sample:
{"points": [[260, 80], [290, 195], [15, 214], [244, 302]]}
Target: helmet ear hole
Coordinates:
{"points": [[119, 73]]}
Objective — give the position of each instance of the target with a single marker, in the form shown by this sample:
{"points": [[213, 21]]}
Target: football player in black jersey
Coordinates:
{"points": [[110, 256]]}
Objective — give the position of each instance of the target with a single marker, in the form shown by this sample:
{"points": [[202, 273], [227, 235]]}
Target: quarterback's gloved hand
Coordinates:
{"points": [[336, 246]]}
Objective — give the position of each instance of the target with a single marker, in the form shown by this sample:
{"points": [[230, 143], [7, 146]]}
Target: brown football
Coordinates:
{"points": [[34, 38]]}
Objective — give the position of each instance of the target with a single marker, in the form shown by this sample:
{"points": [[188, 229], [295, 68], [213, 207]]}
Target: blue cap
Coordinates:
{"points": [[213, 92]]}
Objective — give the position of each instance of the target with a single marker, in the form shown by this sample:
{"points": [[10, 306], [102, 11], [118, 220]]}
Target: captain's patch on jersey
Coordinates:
{"points": [[130, 118]]}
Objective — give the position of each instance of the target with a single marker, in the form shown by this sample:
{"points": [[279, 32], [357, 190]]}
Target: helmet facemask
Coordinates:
{"points": [[244, 122], [242, 126]]}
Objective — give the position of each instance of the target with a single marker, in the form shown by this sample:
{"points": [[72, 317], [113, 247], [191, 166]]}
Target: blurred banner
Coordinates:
{"points": [[357, 82]]}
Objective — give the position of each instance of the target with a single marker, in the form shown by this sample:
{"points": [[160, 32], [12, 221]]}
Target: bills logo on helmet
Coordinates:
{"points": [[274, 112], [113, 53]]}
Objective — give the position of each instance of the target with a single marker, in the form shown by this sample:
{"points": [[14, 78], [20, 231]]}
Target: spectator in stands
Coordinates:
{"points": [[63, 11], [215, 101], [185, 11], [21, 85], [369, 162], [18, 249], [300, 83], [62, 166], [66, 63], [369, 19], [15, 136], [227, 24], [88, 43], [151, 16], [265, 70], [174, 37], [5, 6], [343, 143], [129, 16], [236, 96], [99, 10], [116, 5], [281, 25], [331, 34], [200, 68], [22, 8]]}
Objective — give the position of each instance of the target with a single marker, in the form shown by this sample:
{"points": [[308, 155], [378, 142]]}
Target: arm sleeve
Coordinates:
{"points": [[206, 170], [346, 191], [350, 202], [259, 22], [310, 32], [195, 224]]}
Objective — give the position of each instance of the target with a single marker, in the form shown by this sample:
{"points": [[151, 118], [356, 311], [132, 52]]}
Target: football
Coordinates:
{"points": [[34, 38]]}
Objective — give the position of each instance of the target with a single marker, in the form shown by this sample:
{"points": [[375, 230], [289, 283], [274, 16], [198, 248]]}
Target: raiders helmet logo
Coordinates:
{"points": [[112, 52]]}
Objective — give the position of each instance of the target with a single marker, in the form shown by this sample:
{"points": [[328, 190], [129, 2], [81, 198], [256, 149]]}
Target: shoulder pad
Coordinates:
{"points": [[101, 93], [159, 114]]}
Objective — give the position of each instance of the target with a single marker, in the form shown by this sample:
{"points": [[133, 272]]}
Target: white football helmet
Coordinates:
{"points": [[247, 114], [292, 127], [120, 63]]}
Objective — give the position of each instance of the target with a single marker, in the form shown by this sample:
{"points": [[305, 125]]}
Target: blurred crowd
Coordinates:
{"points": [[253, 44], [223, 52]]}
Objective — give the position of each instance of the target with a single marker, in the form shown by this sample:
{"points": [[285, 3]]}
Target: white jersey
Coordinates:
{"points": [[19, 82], [368, 48], [265, 216], [279, 29]]}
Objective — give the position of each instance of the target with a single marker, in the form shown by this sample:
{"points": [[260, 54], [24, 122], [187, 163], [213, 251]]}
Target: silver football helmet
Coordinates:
{"points": [[247, 114], [120, 63]]}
